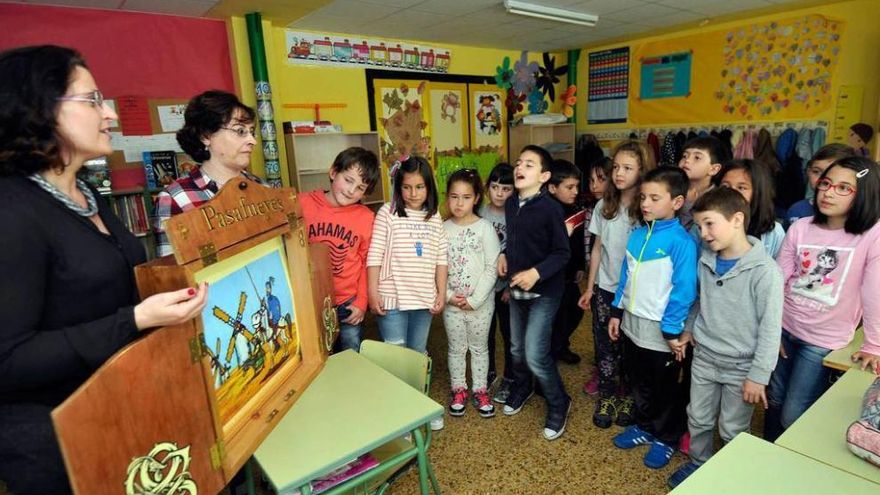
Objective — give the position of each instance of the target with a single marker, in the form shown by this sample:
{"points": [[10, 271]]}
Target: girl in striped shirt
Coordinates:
{"points": [[406, 264]]}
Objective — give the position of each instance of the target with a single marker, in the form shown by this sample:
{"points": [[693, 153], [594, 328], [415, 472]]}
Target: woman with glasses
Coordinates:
{"points": [[68, 299], [831, 268], [218, 133]]}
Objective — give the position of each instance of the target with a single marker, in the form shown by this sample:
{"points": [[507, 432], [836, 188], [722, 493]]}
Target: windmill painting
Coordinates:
{"points": [[249, 324]]}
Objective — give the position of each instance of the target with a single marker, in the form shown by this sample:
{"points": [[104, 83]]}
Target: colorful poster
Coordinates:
{"points": [[171, 117], [448, 124], [608, 83], [487, 115], [320, 49], [666, 76]]}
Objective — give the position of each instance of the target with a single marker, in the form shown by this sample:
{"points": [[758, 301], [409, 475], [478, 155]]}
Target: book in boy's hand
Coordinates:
{"points": [[160, 168], [575, 221]]}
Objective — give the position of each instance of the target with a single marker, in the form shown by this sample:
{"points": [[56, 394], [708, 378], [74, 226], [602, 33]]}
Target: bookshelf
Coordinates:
{"points": [[548, 136], [134, 207], [309, 157]]}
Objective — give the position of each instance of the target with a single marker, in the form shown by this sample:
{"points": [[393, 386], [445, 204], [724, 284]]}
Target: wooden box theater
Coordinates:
{"points": [[182, 409]]}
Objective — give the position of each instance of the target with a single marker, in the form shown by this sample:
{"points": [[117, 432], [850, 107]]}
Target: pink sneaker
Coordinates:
{"points": [[684, 444], [459, 399], [592, 385]]}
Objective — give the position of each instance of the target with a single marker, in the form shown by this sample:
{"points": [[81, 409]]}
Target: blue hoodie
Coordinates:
{"points": [[658, 279]]}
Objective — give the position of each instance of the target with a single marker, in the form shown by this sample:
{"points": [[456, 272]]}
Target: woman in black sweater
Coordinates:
{"points": [[68, 299]]}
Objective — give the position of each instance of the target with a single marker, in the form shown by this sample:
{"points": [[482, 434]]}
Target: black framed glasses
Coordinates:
{"points": [[242, 132], [95, 98], [840, 189]]}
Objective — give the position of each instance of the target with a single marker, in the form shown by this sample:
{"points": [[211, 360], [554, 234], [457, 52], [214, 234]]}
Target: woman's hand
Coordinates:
{"points": [[171, 308]]}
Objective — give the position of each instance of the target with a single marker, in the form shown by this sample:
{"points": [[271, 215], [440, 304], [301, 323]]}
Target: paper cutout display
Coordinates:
{"points": [[771, 66], [134, 114], [319, 49]]}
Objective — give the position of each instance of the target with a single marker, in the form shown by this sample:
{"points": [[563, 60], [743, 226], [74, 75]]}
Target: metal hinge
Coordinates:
{"points": [[208, 254], [197, 348], [218, 453]]}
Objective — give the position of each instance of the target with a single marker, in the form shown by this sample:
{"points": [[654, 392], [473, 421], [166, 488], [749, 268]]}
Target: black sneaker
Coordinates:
{"points": [[503, 391], [556, 420], [625, 411], [517, 400], [568, 357], [604, 413]]}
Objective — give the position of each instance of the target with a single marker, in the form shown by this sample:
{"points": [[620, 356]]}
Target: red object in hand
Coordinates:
{"points": [[191, 291]]}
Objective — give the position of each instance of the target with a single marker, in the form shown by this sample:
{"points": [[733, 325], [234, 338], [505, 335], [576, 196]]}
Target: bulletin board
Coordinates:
{"points": [[772, 70]]}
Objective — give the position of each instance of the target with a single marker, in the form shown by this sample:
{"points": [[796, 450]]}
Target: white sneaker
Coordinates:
{"points": [[437, 424]]}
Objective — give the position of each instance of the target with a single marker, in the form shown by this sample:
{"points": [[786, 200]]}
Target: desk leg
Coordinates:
{"points": [[424, 465]]}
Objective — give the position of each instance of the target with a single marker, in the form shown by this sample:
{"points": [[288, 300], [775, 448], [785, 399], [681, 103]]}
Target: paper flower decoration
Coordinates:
{"points": [[504, 74], [549, 75], [524, 74], [513, 102], [536, 101], [568, 100]]}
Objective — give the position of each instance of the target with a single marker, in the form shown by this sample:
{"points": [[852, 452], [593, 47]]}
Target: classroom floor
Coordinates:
{"points": [[508, 455]]}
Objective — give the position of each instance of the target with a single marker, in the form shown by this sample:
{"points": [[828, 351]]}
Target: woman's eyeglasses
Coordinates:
{"points": [[95, 98], [841, 189], [242, 132]]}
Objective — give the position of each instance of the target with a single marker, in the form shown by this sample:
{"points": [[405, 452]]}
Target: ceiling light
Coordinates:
{"points": [[550, 13]]}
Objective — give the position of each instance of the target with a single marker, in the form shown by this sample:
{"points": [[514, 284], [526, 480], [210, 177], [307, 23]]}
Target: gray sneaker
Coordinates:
{"points": [[503, 391]]}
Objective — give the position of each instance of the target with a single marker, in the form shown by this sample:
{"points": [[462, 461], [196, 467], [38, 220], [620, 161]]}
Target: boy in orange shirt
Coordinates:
{"points": [[336, 218]]}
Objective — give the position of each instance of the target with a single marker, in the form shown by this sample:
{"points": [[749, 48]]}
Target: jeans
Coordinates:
{"points": [[795, 384], [406, 328], [530, 332], [350, 337]]}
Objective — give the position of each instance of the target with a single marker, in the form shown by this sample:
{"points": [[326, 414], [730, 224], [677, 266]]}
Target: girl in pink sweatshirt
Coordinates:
{"points": [[831, 267]]}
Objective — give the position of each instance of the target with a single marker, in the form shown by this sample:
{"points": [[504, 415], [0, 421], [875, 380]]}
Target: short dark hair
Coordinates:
{"points": [[544, 155], [414, 165], [865, 209], [718, 153], [725, 201], [32, 78], [762, 211], [364, 159], [501, 173], [561, 170], [468, 176], [674, 178], [834, 151], [205, 114]]}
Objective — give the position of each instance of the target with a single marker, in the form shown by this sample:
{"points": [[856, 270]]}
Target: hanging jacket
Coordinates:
{"points": [[654, 143], [658, 279], [745, 148], [680, 139], [790, 181], [667, 154], [725, 136], [818, 139], [764, 152]]}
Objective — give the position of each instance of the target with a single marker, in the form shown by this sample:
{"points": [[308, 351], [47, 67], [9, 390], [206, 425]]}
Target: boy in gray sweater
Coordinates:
{"points": [[737, 325]]}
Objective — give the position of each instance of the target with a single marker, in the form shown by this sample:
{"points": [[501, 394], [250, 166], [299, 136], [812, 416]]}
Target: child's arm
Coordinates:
{"points": [[441, 271], [376, 256], [361, 297], [684, 289], [484, 288], [787, 257], [768, 304], [869, 354], [584, 301], [616, 304]]}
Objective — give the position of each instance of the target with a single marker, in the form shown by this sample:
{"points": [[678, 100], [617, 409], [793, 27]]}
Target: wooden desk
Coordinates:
{"points": [[841, 359], [820, 433], [351, 408], [751, 465]]}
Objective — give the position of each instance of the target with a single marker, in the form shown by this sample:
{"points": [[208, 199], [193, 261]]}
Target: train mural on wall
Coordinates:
{"points": [[311, 48]]}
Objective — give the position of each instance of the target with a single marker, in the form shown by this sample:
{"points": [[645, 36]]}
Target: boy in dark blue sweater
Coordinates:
{"points": [[536, 253]]}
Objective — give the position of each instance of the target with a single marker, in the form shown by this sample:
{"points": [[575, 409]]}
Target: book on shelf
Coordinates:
{"points": [[133, 213], [160, 168], [97, 173]]}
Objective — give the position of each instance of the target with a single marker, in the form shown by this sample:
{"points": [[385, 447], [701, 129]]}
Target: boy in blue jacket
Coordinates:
{"points": [[658, 285]]}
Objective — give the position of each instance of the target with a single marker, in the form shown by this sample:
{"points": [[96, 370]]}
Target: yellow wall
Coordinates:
{"points": [[324, 84], [858, 62]]}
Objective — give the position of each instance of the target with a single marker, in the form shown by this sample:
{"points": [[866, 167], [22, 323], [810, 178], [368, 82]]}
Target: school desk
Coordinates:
{"points": [[820, 433], [351, 408], [841, 359], [751, 465]]}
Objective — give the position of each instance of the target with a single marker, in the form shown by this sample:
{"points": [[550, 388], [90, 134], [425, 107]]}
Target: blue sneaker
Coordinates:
{"points": [[658, 455], [682, 474], [632, 437]]}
